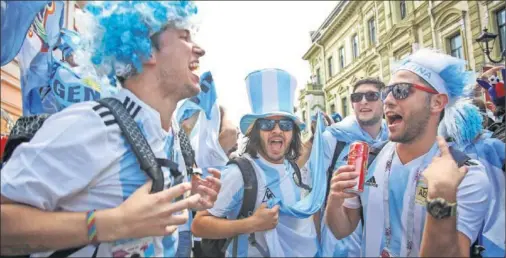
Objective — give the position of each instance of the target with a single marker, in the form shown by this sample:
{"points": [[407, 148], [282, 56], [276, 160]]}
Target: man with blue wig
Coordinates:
{"points": [[412, 208], [80, 169]]}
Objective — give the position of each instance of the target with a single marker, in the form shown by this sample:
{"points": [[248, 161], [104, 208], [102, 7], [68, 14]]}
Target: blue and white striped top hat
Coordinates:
{"points": [[271, 93]]}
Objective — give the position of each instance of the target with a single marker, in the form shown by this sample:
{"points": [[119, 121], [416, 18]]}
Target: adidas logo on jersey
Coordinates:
{"points": [[268, 195], [371, 182]]}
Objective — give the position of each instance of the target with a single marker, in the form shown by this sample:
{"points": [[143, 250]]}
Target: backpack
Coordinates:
{"points": [[26, 127], [217, 247], [460, 158], [498, 130]]}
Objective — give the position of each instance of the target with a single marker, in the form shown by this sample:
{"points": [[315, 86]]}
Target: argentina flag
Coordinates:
{"points": [[310, 204], [205, 134], [491, 152], [16, 19], [67, 87], [35, 56]]}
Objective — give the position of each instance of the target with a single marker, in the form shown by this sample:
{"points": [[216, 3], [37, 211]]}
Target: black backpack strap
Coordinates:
{"points": [[374, 151], [250, 186], [23, 131], [463, 160], [187, 151], [138, 142], [330, 170], [297, 176], [249, 200]]}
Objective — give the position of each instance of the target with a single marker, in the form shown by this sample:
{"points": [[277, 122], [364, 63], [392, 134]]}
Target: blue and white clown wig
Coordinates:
{"points": [[118, 33], [462, 121]]}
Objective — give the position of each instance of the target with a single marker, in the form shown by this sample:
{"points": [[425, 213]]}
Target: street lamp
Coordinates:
{"points": [[484, 40]]}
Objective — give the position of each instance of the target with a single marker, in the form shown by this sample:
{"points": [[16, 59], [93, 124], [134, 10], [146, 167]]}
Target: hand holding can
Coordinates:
{"points": [[358, 157], [344, 178]]}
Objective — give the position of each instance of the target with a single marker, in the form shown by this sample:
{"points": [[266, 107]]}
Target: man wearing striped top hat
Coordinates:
{"points": [[273, 133], [412, 209]]}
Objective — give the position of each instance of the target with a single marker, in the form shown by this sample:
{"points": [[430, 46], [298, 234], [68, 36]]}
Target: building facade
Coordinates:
{"points": [[10, 87], [365, 38]]}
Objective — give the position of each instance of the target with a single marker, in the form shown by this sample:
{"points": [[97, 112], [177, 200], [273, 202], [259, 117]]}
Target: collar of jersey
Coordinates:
{"points": [[147, 116]]}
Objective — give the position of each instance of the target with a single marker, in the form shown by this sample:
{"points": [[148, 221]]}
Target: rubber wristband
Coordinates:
{"points": [[92, 228]]}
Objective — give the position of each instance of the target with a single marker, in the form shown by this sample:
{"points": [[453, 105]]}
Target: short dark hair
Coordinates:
{"points": [[369, 80], [253, 143]]}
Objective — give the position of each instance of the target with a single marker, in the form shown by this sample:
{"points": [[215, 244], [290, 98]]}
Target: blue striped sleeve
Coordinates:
{"points": [[231, 193]]}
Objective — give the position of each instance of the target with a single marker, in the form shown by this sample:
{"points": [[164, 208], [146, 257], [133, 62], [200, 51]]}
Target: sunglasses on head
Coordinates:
{"points": [[403, 90], [269, 124], [369, 96]]}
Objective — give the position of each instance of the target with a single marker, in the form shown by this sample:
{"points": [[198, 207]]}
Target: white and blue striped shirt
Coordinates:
{"points": [[472, 203], [76, 162], [298, 237]]}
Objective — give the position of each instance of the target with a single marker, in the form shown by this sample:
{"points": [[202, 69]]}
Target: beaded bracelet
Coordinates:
{"points": [[92, 229]]}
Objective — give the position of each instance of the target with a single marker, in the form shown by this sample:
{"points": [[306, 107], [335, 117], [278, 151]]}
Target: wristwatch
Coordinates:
{"points": [[439, 208]]}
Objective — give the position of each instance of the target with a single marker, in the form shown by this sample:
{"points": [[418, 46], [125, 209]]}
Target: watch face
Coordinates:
{"points": [[438, 209]]}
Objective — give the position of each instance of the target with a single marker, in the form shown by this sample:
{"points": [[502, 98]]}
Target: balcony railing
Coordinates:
{"points": [[311, 86]]}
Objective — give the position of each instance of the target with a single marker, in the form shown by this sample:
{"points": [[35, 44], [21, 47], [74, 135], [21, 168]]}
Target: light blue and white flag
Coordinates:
{"points": [[35, 56], [490, 152], [16, 19], [311, 203], [205, 134], [67, 87]]}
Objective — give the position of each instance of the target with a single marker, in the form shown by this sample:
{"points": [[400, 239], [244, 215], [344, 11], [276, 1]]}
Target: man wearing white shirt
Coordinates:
{"points": [[411, 210], [273, 133]]}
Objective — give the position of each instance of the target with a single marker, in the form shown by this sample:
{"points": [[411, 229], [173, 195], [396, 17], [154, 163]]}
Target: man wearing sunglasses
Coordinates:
{"points": [[273, 145], [411, 209], [365, 125]]}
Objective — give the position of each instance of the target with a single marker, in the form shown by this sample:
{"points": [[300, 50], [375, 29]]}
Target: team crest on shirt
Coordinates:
{"points": [[268, 195], [421, 194]]}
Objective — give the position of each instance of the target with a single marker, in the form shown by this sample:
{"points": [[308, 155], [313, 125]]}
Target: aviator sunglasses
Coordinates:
{"points": [[402, 90], [369, 96], [269, 124]]}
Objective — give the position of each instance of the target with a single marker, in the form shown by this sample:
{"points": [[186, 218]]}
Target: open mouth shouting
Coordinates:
{"points": [[394, 120], [194, 68], [276, 145]]}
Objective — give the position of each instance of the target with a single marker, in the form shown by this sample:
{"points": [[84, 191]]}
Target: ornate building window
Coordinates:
{"points": [[402, 9], [501, 28], [341, 57], [455, 43], [318, 77], [354, 45], [329, 66], [372, 31], [344, 106]]}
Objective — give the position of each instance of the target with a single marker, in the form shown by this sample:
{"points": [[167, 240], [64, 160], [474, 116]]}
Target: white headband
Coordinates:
{"points": [[427, 74]]}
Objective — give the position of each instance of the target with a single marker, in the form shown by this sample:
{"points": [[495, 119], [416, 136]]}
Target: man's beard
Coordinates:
{"points": [[416, 124], [374, 120]]}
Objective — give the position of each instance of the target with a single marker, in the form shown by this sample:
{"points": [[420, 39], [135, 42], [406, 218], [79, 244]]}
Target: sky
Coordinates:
{"points": [[242, 36]]}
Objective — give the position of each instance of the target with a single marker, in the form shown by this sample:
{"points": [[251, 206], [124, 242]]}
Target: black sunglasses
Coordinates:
{"points": [[402, 90], [269, 124], [369, 96]]}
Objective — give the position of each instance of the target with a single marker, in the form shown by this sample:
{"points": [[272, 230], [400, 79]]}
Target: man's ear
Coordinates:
{"points": [[438, 103]]}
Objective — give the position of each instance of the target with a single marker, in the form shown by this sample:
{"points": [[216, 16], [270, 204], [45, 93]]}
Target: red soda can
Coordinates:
{"points": [[358, 156]]}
